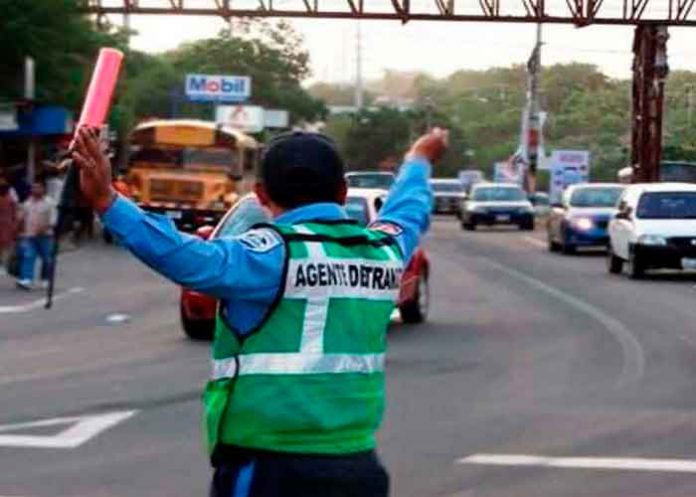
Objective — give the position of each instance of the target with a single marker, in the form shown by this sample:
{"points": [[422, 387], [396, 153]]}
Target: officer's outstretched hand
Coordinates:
{"points": [[95, 169], [431, 146]]}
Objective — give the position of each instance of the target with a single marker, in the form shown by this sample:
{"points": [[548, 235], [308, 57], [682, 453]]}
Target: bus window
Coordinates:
{"points": [[196, 158]]}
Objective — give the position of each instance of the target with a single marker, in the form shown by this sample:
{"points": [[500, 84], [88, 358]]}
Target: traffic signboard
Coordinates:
{"points": [[247, 118], [217, 88]]}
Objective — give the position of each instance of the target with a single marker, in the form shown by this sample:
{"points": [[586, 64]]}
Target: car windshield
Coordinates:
{"points": [[667, 205], [595, 197], [447, 187], [370, 180], [498, 194], [246, 214], [356, 208]]}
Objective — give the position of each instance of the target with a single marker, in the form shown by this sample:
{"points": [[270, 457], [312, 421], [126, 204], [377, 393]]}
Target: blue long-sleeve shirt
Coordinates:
{"points": [[244, 275]]}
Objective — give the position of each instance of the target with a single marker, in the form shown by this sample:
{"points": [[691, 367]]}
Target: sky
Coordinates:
{"points": [[438, 48]]}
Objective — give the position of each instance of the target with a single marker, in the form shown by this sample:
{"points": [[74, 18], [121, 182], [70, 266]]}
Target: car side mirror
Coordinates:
{"points": [[625, 214], [204, 232], [557, 205]]}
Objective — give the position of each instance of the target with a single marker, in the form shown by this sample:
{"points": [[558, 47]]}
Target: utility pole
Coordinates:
{"points": [[533, 123], [358, 100], [689, 104], [29, 96], [127, 27], [429, 105], [650, 71]]}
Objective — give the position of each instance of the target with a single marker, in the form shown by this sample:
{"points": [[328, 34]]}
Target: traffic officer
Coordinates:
{"points": [[297, 386]]}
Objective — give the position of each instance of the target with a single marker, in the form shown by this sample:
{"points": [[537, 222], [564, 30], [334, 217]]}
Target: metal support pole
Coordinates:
{"points": [[359, 98], [127, 27], [31, 160], [533, 124], [428, 113], [650, 70], [29, 95]]}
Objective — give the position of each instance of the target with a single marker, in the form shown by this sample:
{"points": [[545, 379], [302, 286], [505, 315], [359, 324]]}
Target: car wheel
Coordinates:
{"points": [[469, 226], [568, 249], [527, 226], [416, 310], [553, 246], [636, 267], [614, 262], [196, 329]]}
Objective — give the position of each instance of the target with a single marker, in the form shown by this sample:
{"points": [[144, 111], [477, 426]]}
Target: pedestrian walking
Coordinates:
{"points": [[296, 392], [8, 225], [55, 179], [37, 218]]}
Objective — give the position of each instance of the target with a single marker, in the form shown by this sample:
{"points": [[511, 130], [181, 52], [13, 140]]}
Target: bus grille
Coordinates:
{"points": [[165, 190]]}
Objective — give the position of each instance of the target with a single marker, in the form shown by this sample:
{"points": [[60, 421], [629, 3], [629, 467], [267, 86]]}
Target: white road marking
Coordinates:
{"points": [[38, 303], [633, 354], [117, 318], [534, 241], [81, 430], [604, 463]]}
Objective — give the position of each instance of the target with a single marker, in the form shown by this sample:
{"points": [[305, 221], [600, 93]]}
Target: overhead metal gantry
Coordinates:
{"points": [[577, 12], [651, 18]]}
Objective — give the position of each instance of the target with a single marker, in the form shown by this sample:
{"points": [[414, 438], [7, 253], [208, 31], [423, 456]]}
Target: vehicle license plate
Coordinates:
{"points": [[688, 263], [173, 214], [502, 218]]}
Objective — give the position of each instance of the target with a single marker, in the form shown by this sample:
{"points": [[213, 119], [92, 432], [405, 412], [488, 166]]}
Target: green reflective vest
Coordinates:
{"points": [[310, 379]]}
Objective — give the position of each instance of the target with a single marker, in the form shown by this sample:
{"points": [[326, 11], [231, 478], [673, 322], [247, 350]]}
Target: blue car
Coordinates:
{"points": [[582, 217]]}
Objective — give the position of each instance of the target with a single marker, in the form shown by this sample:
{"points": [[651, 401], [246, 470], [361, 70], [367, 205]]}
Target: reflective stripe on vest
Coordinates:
{"points": [[296, 363]]}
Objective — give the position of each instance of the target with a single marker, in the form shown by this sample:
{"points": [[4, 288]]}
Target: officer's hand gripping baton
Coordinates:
{"points": [[94, 113]]}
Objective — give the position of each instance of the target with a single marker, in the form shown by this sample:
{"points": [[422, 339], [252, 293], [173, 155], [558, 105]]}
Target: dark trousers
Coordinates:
{"points": [[269, 474]]}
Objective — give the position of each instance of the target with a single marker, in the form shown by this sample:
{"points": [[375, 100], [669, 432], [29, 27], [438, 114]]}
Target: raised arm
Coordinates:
{"points": [[409, 202], [249, 265]]}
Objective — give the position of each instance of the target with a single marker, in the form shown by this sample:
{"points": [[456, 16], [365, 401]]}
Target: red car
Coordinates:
{"points": [[198, 310]]}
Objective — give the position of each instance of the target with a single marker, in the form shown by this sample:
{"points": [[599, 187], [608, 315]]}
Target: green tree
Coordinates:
{"points": [[370, 137], [273, 56], [62, 42]]}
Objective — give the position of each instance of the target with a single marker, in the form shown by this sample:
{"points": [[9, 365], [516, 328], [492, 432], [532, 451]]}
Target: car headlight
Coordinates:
{"points": [[652, 240], [582, 223], [527, 209], [476, 208]]}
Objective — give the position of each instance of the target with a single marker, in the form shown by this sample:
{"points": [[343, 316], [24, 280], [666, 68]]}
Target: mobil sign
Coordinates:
{"points": [[217, 88]]}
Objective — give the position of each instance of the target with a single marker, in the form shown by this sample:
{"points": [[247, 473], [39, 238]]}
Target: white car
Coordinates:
{"points": [[448, 194], [497, 203], [362, 205], [653, 228]]}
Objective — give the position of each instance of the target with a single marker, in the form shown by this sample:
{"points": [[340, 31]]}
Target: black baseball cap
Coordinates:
{"points": [[300, 168]]}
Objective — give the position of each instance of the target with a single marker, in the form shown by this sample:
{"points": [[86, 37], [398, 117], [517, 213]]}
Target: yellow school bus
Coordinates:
{"points": [[190, 170]]}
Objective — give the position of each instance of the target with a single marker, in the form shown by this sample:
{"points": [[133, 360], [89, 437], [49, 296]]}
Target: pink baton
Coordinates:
{"points": [[101, 88]]}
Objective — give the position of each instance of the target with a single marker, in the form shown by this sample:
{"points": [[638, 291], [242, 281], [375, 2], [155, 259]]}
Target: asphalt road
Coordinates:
{"points": [[537, 375]]}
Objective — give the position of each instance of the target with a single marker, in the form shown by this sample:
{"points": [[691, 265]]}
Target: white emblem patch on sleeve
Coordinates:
{"points": [[260, 240], [386, 227]]}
